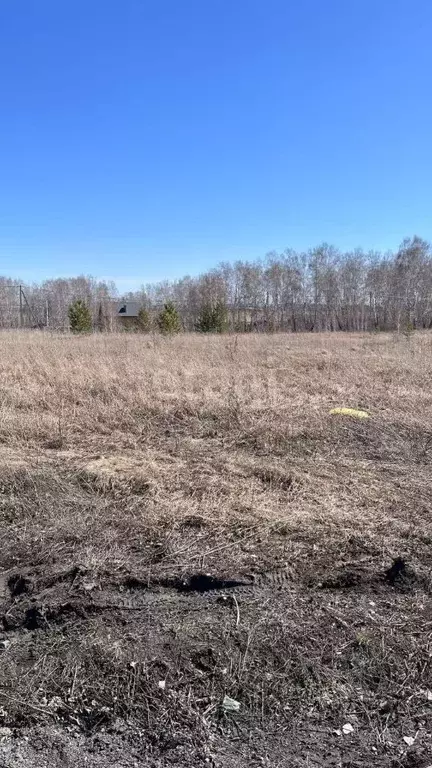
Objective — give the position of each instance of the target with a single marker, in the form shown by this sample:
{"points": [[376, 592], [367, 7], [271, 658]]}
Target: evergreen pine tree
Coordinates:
{"points": [[80, 319]]}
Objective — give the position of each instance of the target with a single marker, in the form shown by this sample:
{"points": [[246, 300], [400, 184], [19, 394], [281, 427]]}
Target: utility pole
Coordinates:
{"points": [[21, 314]]}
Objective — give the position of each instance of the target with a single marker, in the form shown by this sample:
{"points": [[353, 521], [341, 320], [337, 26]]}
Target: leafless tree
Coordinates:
{"points": [[323, 289]]}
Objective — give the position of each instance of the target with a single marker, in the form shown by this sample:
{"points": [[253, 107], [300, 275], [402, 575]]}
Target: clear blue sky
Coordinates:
{"points": [[148, 138]]}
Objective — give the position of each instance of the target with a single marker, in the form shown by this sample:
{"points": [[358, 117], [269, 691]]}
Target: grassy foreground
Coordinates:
{"points": [[140, 476]]}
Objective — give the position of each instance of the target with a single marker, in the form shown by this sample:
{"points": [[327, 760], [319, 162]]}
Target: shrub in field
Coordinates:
{"points": [[220, 317], [80, 318], [205, 321], [143, 320], [213, 319], [169, 320]]}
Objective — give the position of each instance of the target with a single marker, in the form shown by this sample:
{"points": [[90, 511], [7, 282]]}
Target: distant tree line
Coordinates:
{"points": [[322, 289]]}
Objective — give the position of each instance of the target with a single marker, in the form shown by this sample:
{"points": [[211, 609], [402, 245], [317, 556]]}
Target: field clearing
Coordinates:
{"points": [[141, 476]]}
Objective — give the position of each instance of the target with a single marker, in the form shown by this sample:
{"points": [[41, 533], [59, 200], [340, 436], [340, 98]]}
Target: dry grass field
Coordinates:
{"points": [[183, 520]]}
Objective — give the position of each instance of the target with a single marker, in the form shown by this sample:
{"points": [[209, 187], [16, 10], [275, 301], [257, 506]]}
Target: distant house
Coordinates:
{"points": [[127, 312]]}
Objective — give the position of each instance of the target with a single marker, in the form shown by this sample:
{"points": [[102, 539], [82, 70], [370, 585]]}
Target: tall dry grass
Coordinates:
{"points": [[100, 387], [232, 427]]}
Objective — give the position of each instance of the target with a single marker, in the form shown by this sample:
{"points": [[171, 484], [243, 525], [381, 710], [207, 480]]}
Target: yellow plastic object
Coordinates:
{"points": [[350, 412]]}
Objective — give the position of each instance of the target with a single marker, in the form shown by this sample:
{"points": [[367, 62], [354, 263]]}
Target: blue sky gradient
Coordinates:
{"points": [[146, 139]]}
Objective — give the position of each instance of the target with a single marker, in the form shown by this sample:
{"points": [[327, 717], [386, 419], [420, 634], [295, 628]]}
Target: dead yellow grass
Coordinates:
{"points": [[91, 385], [241, 425], [200, 412]]}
